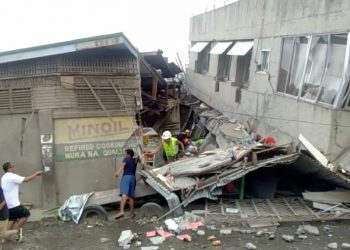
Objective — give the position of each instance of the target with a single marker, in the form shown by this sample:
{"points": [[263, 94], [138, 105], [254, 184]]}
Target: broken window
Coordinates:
{"points": [[313, 67], [292, 64], [333, 76], [203, 58]]}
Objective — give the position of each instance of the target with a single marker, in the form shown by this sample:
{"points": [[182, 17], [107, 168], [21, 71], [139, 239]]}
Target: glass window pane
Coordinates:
{"points": [[335, 67], [315, 68], [286, 58], [299, 60]]}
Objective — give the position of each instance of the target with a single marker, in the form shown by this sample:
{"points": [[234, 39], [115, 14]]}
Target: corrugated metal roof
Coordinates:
{"points": [[109, 40]]}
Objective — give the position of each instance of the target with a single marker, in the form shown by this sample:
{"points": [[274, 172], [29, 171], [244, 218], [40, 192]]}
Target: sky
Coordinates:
{"points": [[149, 24]]}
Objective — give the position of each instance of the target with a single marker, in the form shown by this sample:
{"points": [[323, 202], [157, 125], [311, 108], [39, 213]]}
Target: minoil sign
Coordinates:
{"points": [[89, 138]]}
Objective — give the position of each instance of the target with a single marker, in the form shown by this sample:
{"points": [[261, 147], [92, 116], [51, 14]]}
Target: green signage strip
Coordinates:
{"points": [[89, 150]]}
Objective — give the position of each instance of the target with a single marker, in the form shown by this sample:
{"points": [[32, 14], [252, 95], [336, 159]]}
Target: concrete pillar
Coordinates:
{"points": [[49, 190]]}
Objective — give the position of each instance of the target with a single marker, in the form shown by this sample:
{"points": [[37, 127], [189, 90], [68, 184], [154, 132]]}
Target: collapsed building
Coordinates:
{"points": [[273, 62]]}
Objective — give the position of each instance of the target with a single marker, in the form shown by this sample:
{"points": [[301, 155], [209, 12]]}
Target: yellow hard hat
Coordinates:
{"points": [[187, 131]]}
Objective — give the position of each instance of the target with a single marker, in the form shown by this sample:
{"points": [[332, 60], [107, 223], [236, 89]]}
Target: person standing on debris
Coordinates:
{"points": [[185, 137], [10, 182], [170, 147], [5, 233], [128, 182]]}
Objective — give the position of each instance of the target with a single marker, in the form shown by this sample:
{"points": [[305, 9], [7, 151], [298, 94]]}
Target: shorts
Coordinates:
{"points": [[18, 212], [128, 185]]}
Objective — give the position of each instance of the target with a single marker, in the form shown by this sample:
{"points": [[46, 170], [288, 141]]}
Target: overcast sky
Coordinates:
{"points": [[150, 25]]}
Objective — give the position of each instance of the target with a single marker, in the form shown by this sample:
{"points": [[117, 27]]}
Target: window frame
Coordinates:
{"points": [[342, 99], [264, 71]]}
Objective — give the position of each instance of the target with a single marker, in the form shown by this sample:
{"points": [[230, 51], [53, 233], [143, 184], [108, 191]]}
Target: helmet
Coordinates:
{"points": [[187, 131], [166, 135]]}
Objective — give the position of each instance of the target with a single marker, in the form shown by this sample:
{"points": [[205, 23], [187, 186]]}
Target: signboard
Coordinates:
{"points": [[90, 138]]}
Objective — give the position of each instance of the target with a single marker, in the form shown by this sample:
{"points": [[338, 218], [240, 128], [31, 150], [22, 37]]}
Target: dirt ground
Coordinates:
{"points": [[92, 234]]}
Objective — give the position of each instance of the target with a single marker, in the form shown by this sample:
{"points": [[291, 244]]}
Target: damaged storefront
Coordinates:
{"points": [[69, 109]]}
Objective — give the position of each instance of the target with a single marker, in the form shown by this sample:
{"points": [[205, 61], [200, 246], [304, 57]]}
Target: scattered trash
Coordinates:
{"points": [[225, 231], [150, 248], [163, 233], [138, 243], [156, 240], [200, 232], [211, 227], [260, 233], [302, 237], [171, 224], [231, 210], [125, 238], [333, 245], [288, 238], [272, 236], [184, 237], [127, 246], [250, 246], [194, 225], [151, 233], [216, 243], [211, 238], [345, 246], [103, 240], [303, 229]]}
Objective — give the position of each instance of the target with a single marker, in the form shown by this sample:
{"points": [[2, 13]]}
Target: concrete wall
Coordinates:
{"points": [[265, 18], [30, 161], [260, 104]]}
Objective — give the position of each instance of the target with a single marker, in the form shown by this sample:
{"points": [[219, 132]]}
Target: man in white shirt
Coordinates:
{"points": [[10, 182]]}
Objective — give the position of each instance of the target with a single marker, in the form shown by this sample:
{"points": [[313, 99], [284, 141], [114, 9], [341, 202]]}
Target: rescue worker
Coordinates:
{"points": [[170, 147], [185, 137]]}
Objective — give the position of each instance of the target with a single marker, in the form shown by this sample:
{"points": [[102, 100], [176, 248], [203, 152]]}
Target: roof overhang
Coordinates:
{"points": [[241, 48], [198, 47], [117, 40], [220, 48]]}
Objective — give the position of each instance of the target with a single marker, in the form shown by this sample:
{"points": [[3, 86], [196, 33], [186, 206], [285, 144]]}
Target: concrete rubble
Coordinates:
{"points": [[250, 246], [333, 245]]}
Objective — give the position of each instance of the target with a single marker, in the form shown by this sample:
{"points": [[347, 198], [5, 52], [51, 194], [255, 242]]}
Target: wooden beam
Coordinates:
{"points": [[97, 98], [154, 88]]}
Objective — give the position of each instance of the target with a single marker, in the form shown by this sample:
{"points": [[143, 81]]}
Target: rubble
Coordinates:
{"points": [[288, 238], [216, 243], [125, 238], [156, 240], [307, 229], [333, 245], [302, 237], [225, 231], [150, 248], [250, 246], [345, 246], [200, 232], [184, 237]]}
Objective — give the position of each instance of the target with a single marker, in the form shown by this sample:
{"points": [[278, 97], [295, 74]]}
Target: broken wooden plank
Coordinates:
{"points": [[328, 197]]}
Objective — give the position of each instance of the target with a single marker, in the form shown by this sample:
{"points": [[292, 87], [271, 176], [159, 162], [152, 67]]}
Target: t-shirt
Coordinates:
{"points": [[10, 185], [4, 212], [130, 166]]}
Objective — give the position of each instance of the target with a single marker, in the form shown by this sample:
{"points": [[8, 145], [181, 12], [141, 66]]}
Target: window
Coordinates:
{"points": [[15, 100], [312, 67], [203, 58], [264, 61], [224, 63], [243, 67], [243, 51]]}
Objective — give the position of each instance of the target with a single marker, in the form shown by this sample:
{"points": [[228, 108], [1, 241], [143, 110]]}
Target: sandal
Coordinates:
{"points": [[119, 215]]}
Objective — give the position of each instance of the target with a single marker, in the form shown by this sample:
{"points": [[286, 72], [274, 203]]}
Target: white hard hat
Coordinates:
{"points": [[166, 135]]}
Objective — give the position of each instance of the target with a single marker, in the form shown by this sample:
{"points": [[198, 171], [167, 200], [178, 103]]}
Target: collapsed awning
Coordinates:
{"points": [[241, 48], [198, 47], [220, 48]]}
